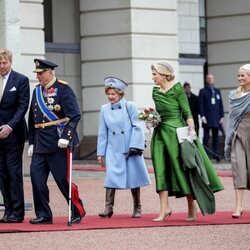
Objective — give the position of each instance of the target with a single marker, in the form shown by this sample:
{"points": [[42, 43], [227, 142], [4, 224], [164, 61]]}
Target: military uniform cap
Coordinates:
{"points": [[43, 65], [115, 83]]}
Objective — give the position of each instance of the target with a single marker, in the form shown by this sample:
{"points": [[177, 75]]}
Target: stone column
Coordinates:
{"points": [[123, 38], [10, 27], [23, 35]]}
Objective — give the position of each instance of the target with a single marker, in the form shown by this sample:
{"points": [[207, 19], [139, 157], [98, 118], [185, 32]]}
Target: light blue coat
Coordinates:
{"points": [[116, 135]]}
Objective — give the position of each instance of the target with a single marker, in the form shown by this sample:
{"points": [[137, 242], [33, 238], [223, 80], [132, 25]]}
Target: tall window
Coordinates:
{"points": [[48, 26], [202, 11]]}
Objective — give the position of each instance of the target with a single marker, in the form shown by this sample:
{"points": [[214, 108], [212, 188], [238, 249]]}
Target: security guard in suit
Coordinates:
{"points": [[212, 112], [53, 118]]}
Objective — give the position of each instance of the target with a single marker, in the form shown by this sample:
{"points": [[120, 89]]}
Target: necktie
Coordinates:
{"points": [[1, 87]]}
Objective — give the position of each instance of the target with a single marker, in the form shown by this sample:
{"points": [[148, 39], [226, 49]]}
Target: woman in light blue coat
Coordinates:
{"points": [[120, 146]]}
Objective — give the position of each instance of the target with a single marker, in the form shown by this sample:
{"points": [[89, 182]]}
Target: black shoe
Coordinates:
{"points": [[78, 219], [4, 219], [13, 219], [41, 220]]}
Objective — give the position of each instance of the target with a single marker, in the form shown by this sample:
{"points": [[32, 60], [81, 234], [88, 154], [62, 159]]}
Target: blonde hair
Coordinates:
{"points": [[118, 91], [5, 54], [245, 68]]}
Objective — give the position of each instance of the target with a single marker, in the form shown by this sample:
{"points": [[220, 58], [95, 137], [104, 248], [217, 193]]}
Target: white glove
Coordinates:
{"points": [[30, 150], [204, 120], [63, 143]]}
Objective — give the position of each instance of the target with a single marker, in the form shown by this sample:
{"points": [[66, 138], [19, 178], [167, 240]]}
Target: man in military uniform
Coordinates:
{"points": [[53, 118]]}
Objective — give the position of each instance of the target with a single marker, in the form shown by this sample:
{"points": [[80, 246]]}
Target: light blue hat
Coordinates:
{"points": [[115, 83]]}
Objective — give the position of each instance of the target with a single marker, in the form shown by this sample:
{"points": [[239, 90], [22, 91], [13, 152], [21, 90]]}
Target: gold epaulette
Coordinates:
{"points": [[63, 82]]}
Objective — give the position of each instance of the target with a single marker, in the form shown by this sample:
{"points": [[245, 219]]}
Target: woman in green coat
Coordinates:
{"points": [[171, 179]]}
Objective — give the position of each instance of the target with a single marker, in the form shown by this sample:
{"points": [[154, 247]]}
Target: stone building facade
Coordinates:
{"points": [[92, 39]]}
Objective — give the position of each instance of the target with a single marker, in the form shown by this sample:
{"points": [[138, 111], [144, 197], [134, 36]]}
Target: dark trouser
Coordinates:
{"points": [[215, 137], [41, 166], [11, 177]]}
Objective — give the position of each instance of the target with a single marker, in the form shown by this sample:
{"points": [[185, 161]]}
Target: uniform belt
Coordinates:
{"points": [[47, 124]]}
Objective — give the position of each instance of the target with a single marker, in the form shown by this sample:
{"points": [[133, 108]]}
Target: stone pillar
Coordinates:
{"points": [[123, 38], [10, 27], [24, 36]]}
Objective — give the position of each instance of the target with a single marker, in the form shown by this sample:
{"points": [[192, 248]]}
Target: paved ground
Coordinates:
{"points": [[92, 191]]}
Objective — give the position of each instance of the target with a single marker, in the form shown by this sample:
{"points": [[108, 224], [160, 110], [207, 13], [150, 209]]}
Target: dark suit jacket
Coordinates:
{"points": [[212, 112], [14, 105]]}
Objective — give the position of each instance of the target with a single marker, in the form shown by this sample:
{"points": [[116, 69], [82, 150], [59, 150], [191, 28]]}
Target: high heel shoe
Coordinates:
{"points": [[162, 217], [236, 216], [194, 217]]}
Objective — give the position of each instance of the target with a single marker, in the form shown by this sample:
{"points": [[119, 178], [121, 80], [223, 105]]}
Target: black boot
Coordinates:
{"points": [[110, 197], [137, 203]]}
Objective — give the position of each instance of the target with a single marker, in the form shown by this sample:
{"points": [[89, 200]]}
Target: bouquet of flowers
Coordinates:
{"points": [[151, 117]]}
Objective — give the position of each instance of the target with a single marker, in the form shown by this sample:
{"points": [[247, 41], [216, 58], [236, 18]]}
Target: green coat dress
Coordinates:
{"points": [[170, 175]]}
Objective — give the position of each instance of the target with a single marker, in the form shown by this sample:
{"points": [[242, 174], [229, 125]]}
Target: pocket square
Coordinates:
{"points": [[13, 89]]}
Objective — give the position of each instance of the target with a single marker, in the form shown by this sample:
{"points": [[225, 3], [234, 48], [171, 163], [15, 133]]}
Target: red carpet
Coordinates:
{"points": [[150, 170], [125, 221]]}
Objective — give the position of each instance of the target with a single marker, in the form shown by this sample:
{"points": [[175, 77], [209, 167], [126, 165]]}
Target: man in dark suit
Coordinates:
{"points": [[14, 102], [53, 118], [194, 105], [212, 113]]}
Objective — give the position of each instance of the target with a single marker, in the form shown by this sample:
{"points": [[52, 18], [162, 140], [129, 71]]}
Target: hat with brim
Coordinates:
{"points": [[115, 82], [43, 65]]}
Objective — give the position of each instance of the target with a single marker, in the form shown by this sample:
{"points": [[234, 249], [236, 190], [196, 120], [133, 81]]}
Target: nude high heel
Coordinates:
{"points": [[194, 216], [236, 215], [162, 217]]}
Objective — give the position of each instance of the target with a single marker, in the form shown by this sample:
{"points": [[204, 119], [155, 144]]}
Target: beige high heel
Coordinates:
{"points": [[236, 215], [162, 217], [194, 216]]}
